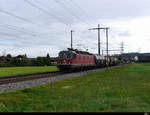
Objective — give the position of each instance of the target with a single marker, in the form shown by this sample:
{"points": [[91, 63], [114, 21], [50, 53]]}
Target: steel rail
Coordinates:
{"points": [[19, 78]]}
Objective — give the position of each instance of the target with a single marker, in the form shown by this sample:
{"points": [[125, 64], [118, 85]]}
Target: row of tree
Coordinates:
{"points": [[23, 60]]}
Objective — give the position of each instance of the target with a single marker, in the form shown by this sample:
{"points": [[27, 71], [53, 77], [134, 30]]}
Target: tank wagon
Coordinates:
{"points": [[100, 61], [112, 60]]}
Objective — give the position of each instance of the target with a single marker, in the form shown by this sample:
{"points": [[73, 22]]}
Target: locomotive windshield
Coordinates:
{"points": [[69, 55], [61, 55]]}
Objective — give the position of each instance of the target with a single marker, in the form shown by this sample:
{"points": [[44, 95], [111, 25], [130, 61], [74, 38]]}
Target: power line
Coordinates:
{"points": [[44, 11], [72, 13], [44, 5], [81, 9], [122, 47], [19, 30], [77, 12], [99, 46], [22, 28], [22, 19], [15, 16], [15, 35], [66, 17], [99, 40], [8, 34]]}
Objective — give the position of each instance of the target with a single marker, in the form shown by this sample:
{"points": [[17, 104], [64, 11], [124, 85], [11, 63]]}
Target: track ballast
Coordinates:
{"points": [[19, 78]]}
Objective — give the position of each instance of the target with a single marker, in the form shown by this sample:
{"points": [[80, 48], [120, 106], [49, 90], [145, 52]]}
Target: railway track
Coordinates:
{"points": [[19, 78]]}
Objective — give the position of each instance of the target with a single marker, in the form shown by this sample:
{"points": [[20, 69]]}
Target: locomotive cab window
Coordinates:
{"points": [[61, 55], [69, 55], [74, 55]]}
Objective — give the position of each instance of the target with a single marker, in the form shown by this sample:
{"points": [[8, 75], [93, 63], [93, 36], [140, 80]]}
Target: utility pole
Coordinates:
{"points": [[112, 50], [99, 43], [122, 47], [99, 47], [102, 52], [71, 39], [107, 45]]}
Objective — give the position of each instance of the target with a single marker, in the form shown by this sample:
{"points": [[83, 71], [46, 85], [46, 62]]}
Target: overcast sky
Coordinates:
{"points": [[38, 27]]}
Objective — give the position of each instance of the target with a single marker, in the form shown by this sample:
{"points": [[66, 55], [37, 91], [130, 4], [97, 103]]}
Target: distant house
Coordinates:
{"points": [[20, 57], [54, 59], [143, 59], [32, 59], [138, 57], [5, 59]]}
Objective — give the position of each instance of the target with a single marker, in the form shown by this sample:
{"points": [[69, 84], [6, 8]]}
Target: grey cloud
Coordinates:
{"points": [[105, 9], [125, 34], [56, 35]]}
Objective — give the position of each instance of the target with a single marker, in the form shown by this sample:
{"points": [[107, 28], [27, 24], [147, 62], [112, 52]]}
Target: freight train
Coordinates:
{"points": [[74, 59]]}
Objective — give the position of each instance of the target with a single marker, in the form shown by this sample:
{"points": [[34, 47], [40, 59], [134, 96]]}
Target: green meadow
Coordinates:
{"points": [[122, 89], [11, 71]]}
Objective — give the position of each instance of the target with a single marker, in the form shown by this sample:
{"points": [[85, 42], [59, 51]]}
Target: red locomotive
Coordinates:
{"points": [[74, 59]]}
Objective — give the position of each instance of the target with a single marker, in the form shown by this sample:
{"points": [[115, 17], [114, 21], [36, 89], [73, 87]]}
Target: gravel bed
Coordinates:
{"points": [[31, 83]]}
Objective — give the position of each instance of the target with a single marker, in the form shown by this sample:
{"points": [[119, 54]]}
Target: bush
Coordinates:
{"points": [[20, 60], [42, 61]]}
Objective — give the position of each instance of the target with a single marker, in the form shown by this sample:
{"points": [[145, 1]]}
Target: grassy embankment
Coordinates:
{"points": [[124, 89], [10, 71]]}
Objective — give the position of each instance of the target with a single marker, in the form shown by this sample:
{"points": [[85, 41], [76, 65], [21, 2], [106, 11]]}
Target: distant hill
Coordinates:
{"points": [[134, 54]]}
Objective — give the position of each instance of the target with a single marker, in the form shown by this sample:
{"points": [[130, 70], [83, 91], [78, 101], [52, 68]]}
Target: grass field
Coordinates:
{"points": [[124, 89], [10, 71]]}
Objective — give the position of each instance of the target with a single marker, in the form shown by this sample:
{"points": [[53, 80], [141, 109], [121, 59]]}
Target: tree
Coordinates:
{"points": [[25, 62], [2, 63], [40, 61], [16, 62], [9, 56], [47, 61], [48, 55]]}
